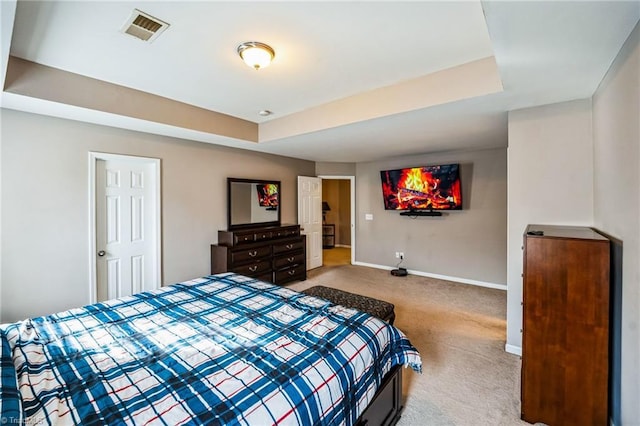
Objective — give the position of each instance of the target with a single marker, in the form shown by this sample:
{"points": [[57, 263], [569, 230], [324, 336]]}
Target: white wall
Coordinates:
{"points": [[44, 196], [550, 175], [616, 132]]}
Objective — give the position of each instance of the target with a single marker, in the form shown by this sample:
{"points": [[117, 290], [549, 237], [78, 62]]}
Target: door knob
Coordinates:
{"points": [[102, 253]]}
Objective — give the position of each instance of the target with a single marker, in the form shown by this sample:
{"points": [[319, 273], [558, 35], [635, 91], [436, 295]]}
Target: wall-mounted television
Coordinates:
{"points": [[422, 188]]}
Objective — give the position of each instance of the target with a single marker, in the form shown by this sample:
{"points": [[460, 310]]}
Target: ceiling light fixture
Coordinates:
{"points": [[255, 54]]}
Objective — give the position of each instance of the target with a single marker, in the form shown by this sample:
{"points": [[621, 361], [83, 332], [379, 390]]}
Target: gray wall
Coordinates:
{"points": [[581, 160], [616, 134], [335, 169], [550, 182], [44, 199], [468, 244]]}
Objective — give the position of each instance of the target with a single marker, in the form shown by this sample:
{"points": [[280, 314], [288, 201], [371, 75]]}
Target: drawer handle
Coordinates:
{"points": [[291, 259], [253, 268], [289, 246], [291, 272], [253, 253]]}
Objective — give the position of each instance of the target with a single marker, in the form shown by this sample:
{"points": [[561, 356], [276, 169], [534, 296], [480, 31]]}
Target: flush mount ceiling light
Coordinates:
{"points": [[255, 54]]}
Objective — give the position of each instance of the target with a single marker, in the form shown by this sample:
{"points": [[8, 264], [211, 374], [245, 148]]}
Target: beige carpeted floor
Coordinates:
{"points": [[459, 329]]}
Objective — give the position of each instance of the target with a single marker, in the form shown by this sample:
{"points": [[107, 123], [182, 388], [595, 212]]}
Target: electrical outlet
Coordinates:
{"points": [[397, 255], [401, 255]]}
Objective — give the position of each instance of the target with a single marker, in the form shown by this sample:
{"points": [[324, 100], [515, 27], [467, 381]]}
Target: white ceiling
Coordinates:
{"points": [[351, 81]]}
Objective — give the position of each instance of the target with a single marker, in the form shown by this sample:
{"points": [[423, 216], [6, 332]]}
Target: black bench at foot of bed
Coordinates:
{"points": [[375, 307]]}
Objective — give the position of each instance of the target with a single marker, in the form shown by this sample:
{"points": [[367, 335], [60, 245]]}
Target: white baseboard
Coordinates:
{"points": [[512, 349], [343, 245], [438, 276]]}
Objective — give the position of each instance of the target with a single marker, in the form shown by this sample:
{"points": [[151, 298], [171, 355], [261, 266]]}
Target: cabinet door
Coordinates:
{"points": [[565, 331]]}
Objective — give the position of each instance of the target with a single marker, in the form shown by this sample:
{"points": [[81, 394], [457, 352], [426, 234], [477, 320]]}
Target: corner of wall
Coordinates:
{"points": [[1, 320], [7, 17], [547, 149]]}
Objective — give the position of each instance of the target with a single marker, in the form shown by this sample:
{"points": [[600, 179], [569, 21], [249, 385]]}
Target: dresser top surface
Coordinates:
{"points": [[259, 228], [555, 231]]}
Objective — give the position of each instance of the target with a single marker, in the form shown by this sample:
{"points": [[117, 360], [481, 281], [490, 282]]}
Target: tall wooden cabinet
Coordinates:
{"points": [[565, 348]]}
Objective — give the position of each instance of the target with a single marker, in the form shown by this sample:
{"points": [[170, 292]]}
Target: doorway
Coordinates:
{"points": [[338, 200], [125, 218]]}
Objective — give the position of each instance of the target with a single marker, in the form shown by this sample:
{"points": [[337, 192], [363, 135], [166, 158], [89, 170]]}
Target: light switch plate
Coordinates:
{"points": [[368, 216]]}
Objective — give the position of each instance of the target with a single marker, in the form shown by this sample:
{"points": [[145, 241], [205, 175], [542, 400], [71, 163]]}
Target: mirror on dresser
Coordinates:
{"points": [[256, 244], [253, 202]]}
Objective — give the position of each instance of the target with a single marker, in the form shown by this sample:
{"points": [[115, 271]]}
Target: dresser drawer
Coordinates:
{"points": [[288, 246], [253, 269], [243, 237], [291, 231], [288, 260], [244, 255], [263, 235], [290, 274], [267, 277]]}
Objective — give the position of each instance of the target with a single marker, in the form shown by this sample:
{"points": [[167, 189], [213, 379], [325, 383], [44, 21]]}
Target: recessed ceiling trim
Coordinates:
{"points": [[144, 26], [39, 81], [470, 80]]}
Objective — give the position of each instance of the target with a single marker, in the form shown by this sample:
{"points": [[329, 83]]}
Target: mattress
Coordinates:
{"points": [[222, 349]]}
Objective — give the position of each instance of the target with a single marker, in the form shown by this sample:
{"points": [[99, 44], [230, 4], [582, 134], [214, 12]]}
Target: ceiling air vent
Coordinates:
{"points": [[144, 26]]}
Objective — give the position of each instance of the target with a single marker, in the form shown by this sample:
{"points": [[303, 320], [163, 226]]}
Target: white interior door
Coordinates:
{"points": [[127, 232], [310, 217]]}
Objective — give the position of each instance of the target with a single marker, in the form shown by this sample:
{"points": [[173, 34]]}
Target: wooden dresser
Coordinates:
{"points": [[565, 341], [275, 254]]}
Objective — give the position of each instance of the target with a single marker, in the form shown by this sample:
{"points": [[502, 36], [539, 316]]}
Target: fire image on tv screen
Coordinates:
{"points": [[422, 188], [268, 195]]}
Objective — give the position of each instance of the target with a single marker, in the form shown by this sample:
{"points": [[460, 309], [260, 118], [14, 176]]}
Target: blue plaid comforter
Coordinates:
{"points": [[223, 349]]}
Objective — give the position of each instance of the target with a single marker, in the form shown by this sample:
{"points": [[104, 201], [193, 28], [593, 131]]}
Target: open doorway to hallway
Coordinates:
{"points": [[337, 229], [336, 256]]}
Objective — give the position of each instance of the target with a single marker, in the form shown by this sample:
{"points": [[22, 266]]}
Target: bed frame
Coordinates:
{"points": [[385, 408]]}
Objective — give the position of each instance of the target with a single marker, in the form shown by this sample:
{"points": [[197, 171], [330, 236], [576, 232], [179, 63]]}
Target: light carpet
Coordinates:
{"points": [[459, 329]]}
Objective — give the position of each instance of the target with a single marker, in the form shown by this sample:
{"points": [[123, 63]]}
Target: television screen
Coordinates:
{"points": [[422, 188], [268, 195]]}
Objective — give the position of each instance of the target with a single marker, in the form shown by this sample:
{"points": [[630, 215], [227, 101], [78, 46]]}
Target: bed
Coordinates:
{"points": [[222, 349]]}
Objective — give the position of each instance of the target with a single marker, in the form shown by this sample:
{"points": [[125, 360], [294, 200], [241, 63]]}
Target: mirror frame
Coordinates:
{"points": [[230, 182]]}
